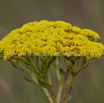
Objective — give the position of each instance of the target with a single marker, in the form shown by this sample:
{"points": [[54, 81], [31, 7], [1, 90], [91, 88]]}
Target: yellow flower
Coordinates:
{"points": [[51, 37]]}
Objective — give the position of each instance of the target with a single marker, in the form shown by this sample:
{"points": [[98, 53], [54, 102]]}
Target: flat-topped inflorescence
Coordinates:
{"points": [[51, 37]]}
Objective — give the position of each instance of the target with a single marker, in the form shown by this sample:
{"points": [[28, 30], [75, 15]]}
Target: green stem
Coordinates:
{"points": [[71, 80], [31, 64], [47, 94], [30, 59], [49, 81], [49, 77], [36, 70], [43, 89], [65, 62], [21, 66], [36, 60], [56, 65], [69, 85], [33, 77], [80, 67], [59, 92], [23, 60], [53, 95]]}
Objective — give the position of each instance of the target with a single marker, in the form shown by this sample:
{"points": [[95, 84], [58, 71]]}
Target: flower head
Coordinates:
{"points": [[53, 38]]}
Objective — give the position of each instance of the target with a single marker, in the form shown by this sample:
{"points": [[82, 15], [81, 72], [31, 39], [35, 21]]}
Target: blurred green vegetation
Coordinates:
{"points": [[83, 13]]}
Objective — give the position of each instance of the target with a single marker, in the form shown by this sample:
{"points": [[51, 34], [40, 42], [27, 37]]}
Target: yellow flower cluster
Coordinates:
{"points": [[53, 38]]}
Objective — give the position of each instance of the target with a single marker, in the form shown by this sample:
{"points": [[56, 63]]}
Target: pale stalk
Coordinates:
{"points": [[59, 92], [47, 94], [53, 95]]}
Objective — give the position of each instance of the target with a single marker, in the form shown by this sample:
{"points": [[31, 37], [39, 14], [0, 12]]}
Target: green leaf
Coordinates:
{"points": [[26, 62], [45, 85], [30, 80], [59, 59], [68, 58], [84, 60], [42, 60], [38, 68], [15, 66], [29, 67], [76, 63], [36, 59], [51, 61], [44, 65], [42, 69], [28, 58], [61, 71], [32, 57]]}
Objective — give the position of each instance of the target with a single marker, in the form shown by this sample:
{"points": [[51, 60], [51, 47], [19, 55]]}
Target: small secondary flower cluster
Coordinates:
{"points": [[48, 37]]}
